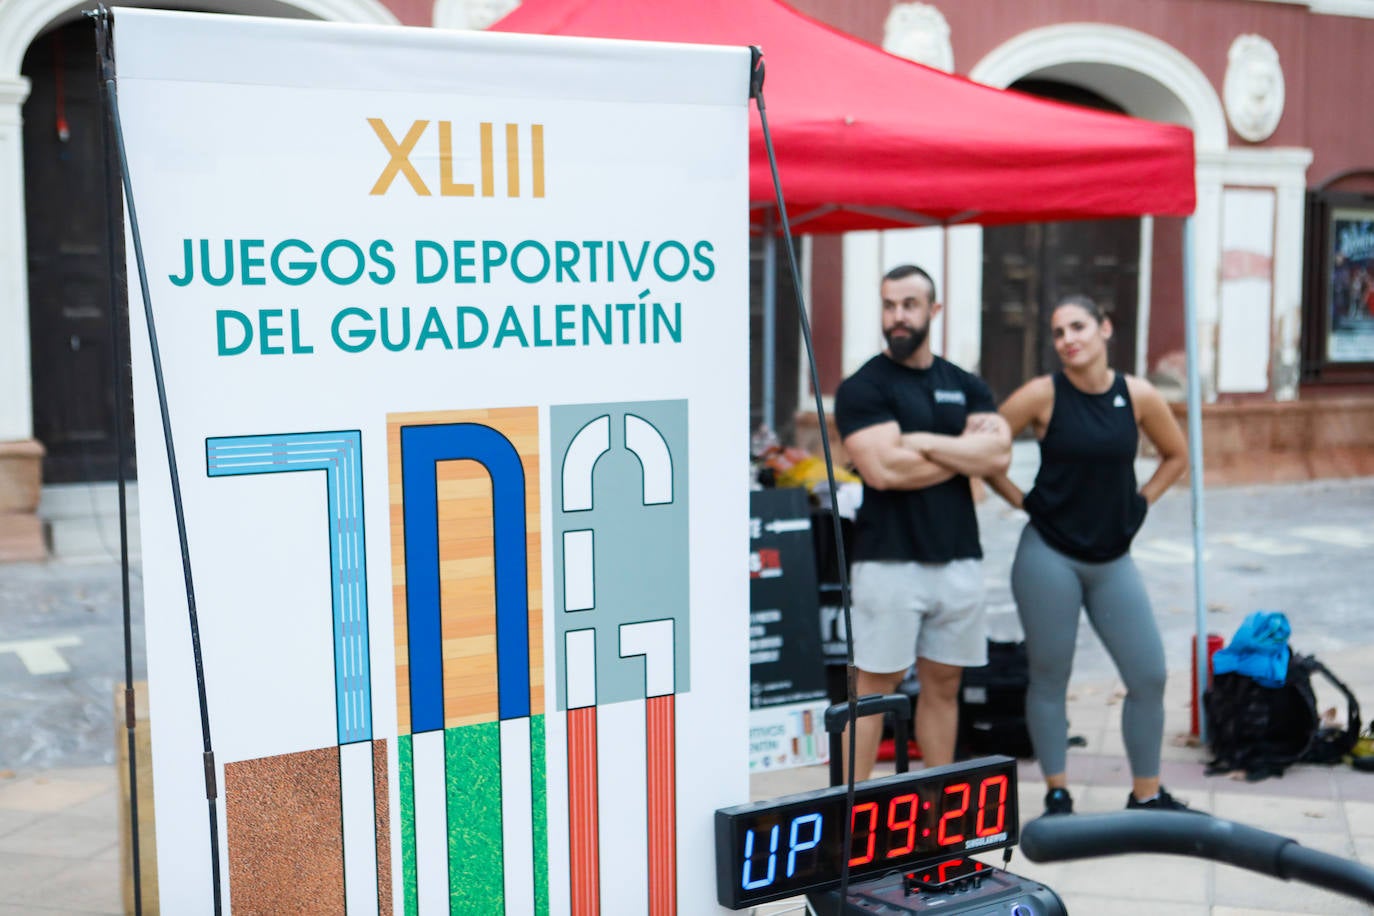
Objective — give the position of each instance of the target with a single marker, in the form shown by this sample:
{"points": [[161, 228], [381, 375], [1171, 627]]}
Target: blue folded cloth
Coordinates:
{"points": [[1258, 650]]}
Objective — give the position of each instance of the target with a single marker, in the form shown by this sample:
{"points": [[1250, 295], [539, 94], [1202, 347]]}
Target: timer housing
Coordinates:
{"points": [[775, 849]]}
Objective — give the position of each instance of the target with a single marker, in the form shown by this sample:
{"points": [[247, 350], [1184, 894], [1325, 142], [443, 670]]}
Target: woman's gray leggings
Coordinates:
{"points": [[1049, 588]]}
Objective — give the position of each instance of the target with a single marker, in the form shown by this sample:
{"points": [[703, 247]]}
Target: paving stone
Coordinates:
{"points": [[42, 792], [62, 836]]}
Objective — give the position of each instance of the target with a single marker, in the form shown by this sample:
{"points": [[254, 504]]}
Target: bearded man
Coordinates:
{"points": [[917, 428]]}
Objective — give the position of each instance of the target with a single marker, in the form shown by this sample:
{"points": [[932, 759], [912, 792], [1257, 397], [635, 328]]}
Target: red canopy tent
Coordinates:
{"points": [[868, 140]]}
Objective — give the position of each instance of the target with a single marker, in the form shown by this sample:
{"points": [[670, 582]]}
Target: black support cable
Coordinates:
{"points": [[105, 53], [851, 687], [114, 216]]}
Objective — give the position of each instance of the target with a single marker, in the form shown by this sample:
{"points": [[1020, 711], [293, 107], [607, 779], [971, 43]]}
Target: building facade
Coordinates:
{"points": [[1279, 244], [1279, 254]]}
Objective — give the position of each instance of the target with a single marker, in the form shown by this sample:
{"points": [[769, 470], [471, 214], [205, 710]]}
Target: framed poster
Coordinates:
{"points": [[1350, 286], [1338, 281]]}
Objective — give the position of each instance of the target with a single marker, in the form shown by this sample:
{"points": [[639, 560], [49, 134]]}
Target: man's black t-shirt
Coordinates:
{"points": [[935, 524]]}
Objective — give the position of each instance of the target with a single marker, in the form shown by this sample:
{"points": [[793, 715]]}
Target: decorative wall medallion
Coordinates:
{"points": [[919, 32], [1253, 91]]}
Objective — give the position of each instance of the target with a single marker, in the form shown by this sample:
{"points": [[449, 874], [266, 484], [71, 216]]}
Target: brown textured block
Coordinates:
{"points": [[285, 831], [381, 793]]}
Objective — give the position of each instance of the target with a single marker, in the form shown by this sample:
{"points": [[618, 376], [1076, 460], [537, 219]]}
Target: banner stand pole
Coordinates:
{"points": [[106, 63], [114, 217], [851, 687], [1195, 474]]}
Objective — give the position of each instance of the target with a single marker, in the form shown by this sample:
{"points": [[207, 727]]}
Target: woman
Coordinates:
{"points": [[1084, 510]]}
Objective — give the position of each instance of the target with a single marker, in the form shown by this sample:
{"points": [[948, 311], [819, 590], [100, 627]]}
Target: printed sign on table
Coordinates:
{"points": [[785, 662], [786, 667], [431, 309]]}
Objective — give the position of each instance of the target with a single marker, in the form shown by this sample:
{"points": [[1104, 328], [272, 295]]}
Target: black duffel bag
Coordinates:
{"points": [[992, 704]]}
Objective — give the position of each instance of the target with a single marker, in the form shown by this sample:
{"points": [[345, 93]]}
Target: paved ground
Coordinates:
{"points": [[61, 655], [1303, 548]]}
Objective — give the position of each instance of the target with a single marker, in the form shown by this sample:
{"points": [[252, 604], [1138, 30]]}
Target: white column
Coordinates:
{"points": [[1246, 300], [579, 570], [1288, 263], [357, 784], [806, 401], [622, 787], [517, 816], [1207, 266], [1142, 298], [964, 297], [863, 314], [16, 396], [431, 822], [1285, 170]]}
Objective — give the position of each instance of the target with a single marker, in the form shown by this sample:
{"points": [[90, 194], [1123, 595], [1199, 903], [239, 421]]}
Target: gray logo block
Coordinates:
{"points": [[620, 551]]}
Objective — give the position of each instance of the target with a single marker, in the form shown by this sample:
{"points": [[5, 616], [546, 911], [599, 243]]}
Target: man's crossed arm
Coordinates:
{"points": [[982, 450], [888, 459]]}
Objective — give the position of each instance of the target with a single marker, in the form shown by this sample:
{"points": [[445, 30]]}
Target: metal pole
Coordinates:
{"points": [[105, 54], [119, 317], [1195, 468], [770, 319]]}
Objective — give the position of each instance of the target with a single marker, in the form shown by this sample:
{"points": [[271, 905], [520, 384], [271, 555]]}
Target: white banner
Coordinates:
{"points": [[454, 335]]}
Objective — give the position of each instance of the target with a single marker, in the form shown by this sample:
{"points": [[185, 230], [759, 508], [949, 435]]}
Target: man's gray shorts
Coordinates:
{"points": [[904, 610]]}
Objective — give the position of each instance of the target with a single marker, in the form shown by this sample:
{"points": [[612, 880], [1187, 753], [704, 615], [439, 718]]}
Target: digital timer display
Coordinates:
{"points": [[770, 850]]}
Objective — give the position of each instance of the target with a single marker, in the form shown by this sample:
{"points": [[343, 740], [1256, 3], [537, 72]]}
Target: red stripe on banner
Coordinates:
{"points": [[662, 779], [583, 842]]}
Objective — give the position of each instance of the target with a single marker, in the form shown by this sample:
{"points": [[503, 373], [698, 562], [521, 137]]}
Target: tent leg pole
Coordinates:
{"points": [[1195, 470], [770, 320]]}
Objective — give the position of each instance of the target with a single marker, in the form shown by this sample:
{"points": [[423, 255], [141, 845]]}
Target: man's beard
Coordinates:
{"points": [[901, 348]]}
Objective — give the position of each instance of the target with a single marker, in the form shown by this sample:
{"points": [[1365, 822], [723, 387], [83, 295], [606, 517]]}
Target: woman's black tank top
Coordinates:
{"points": [[1085, 502]]}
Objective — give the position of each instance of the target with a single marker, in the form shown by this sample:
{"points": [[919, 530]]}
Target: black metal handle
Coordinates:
{"points": [[837, 718]]}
